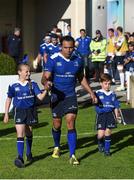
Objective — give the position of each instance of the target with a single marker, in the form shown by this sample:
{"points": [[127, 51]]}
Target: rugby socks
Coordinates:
{"points": [[100, 142], [56, 136], [72, 139], [29, 140], [107, 143], [20, 146], [122, 79]]}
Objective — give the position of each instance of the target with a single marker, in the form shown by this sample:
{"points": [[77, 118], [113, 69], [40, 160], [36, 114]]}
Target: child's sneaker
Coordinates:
{"points": [[30, 157], [107, 153], [19, 162]]}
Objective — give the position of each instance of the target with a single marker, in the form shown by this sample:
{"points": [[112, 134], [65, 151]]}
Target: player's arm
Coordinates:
{"points": [[86, 86], [7, 106]]}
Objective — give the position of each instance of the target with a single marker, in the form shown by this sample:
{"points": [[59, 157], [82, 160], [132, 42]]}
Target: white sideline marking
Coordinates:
{"points": [[36, 137]]}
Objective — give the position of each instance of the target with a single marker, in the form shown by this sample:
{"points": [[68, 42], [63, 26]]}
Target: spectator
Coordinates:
{"points": [[83, 48], [98, 49], [110, 53], [15, 45], [69, 30], [121, 47], [129, 66]]}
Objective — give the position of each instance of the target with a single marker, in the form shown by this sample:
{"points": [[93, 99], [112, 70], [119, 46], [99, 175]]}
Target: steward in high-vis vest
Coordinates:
{"points": [[98, 56]]}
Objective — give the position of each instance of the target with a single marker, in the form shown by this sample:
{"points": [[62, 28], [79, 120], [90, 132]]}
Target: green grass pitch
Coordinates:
{"points": [[93, 165]]}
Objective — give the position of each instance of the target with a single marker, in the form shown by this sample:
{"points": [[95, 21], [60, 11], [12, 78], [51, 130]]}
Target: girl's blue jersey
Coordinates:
{"points": [[23, 94]]}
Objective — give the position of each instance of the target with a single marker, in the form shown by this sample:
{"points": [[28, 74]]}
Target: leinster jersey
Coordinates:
{"points": [[23, 94], [64, 72], [107, 101]]}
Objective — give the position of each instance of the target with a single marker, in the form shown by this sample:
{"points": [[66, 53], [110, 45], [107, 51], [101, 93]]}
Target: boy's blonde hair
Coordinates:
{"points": [[19, 68], [105, 77]]}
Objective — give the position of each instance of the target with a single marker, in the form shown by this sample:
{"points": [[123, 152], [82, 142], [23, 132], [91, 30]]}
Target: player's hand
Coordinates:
{"points": [[48, 85], [6, 118], [94, 98]]}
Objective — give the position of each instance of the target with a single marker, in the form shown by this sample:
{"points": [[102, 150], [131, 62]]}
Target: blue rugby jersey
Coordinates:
{"points": [[83, 47], [107, 101], [23, 94], [51, 49], [43, 48], [64, 72], [129, 66]]}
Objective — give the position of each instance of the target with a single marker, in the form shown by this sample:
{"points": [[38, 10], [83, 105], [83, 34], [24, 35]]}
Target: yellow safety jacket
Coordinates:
{"points": [[98, 45]]}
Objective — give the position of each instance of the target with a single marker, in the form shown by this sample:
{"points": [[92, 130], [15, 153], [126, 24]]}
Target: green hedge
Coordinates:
{"points": [[7, 65]]}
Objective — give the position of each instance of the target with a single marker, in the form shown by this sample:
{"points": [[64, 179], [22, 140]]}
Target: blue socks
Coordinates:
{"points": [[107, 143], [20, 146], [29, 140], [56, 136], [72, 139]]}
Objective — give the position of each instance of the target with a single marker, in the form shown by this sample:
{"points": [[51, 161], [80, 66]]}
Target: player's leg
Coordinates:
{"points": [[120, 68], [29, 140], [56, 133], [100, 138], [70, 110], [72, 137], [107, 142], [20, 129], [100, 126]]}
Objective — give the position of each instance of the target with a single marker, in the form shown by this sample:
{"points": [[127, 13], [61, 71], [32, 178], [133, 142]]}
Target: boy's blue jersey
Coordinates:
{"points": [[51, 49], [43, 48], [130, 66], [23, 94], [64, 72], [107, 101], [83, 47]]}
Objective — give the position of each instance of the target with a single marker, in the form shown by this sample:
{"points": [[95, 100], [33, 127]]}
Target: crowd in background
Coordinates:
{"points": [[113, 54]]}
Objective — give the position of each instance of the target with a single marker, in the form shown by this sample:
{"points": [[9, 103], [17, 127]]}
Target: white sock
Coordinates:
{"points": [[122, 79]]}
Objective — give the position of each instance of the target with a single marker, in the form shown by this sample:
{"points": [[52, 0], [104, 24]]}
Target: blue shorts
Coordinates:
{"points": [[105, 120], [25, 116], [62, 106], [119, 60]]}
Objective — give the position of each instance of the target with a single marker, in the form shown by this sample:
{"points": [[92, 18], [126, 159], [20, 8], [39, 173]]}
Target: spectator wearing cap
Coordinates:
{"points": [[83, 48], [98, 49], [14, 43]]}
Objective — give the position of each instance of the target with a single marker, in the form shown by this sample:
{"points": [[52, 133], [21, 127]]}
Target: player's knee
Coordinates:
{"points": [[56, 124], [120, 68]]}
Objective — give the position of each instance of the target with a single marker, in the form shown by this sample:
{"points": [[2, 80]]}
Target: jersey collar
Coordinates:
{"points": [[64, 57]]}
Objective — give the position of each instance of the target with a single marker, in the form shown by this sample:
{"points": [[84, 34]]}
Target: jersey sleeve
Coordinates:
{"points": [[49, 66], [36, 88], [11, 91], [116, 102]]}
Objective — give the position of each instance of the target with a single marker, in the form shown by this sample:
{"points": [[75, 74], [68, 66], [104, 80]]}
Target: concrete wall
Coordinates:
{"points": [[29, 27], [76, 13], [48, 13], [99, 16], [7, 16], [129, 15]]}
